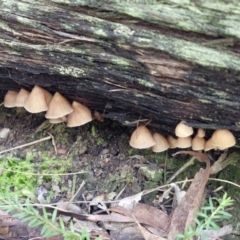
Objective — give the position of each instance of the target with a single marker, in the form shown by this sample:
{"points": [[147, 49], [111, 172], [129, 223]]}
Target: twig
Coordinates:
{"points": [[186, 165], [73, 197], [53, 142], [44, 174], [27, 144]]}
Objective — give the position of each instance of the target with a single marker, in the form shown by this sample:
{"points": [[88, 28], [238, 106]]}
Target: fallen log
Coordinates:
{"points": [[161, 61]]}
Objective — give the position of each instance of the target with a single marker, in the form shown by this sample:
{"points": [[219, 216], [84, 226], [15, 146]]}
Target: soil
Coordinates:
{"points": [[99, 154]]}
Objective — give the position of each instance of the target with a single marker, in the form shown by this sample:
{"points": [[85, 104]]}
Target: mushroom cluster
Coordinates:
{"points": [[58, 108], [143, 138]]}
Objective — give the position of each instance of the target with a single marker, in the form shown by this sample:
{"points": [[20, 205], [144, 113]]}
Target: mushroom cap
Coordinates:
{"points": [[209, 145], [172, 142], [222, 139], [10, 99], [21, 97], [183, 130], [80, 115], [142, 138], [58, 120], [184, 142], [198, 143], [162, 143], [201, 132], [38, 100], [58, 107]]}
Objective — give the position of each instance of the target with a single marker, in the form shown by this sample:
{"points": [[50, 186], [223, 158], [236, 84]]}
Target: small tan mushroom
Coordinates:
{"points": [[58, 120], [162, 143], [38, 100], [221, 139], [80, 115], [198, 143], [21, 97], [201, 132], [172, 142], [58, 107], [184, 142], [183, 130], [10, 99], [142, 138]]}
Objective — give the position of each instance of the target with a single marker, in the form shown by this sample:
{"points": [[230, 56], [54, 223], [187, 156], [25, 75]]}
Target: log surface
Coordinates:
{"points": [[164, 61]]}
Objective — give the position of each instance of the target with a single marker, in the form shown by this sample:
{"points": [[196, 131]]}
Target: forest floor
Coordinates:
{"points": [[96, 156]]}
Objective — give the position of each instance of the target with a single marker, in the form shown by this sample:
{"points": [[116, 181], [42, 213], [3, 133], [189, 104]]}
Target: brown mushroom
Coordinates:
{"points": [[38, 100], [80, 115], [162, 143], [142, 138], [10, 99], [183, 130], [21, 97], [58, 107]]}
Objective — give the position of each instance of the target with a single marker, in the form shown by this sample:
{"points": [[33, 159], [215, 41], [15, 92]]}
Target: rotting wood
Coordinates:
{"points": [[163, 61]]}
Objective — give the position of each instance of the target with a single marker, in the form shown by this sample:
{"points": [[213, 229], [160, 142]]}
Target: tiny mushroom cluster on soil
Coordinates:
{"points": [[58, 108], [143, 138]]}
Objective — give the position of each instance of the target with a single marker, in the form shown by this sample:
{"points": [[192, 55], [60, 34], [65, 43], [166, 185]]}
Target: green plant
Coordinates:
{"points": [[100, 141], [20, 174], [207, 217], [48, 221]]}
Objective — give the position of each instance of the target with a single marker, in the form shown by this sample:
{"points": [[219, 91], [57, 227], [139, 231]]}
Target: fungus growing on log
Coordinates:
{"points": [[201, 132], [221, 139], [80, 115], [21, 97], [142, 138], [184, 142], [10, 99], [58, 120], [198, 143], [38, 100], [58, 107], [162, 143], [183, 130], [172, 142]]}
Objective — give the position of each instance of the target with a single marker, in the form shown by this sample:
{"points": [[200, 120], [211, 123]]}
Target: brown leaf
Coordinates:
{"points": [[146, 214], [184, 214]]}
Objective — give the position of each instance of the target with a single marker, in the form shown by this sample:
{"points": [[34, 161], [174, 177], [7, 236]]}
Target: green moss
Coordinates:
{"points": [[21, 175]]}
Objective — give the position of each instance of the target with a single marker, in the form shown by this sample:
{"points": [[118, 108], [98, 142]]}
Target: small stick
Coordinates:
{"points": [[73, 197], [186, 165], [27, 144], [53, 142]]}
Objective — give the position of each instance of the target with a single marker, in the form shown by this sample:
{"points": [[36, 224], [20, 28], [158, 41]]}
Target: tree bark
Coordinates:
{"points": [[164, 61]]}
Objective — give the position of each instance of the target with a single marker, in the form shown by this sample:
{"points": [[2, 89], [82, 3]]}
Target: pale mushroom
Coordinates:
{"points": [[172, 142], [10, 99], [142, 138], [201, 132], [161, 143], [58, 120], [221, 139], [38, 100], [21, 97], [198, 143], [184, 142], [58, 107], [183, 130], [80, 115]]}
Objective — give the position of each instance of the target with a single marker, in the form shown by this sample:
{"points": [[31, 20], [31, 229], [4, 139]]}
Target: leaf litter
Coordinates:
{"points": [[128, 218]]}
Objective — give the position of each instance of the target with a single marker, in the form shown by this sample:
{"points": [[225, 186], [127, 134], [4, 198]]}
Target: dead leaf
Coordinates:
{"points": [[146, 214], [184, 214], [130, 202], [146, 234]]}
